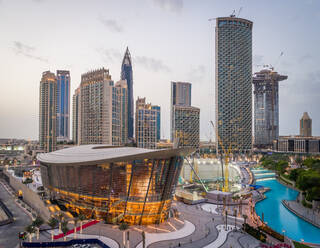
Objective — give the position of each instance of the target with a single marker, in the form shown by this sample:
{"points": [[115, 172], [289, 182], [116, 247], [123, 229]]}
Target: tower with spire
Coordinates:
{"points": [[126, 74]]}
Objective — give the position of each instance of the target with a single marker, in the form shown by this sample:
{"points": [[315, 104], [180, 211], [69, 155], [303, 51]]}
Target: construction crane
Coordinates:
{"points": [[239, 11], [226, 161]]}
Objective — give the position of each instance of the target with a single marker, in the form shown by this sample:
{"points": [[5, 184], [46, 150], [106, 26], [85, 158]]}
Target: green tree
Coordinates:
{"points": [[81, 218], [38, 221], [64, 228], [294, 174], [30, 230], [52, 223]]}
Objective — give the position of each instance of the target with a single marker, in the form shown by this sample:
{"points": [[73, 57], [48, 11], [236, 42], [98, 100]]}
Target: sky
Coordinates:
{"points": [[169, 40]]}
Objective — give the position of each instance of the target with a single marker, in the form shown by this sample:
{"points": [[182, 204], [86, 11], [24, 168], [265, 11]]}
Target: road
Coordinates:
{"points": [[9, 233]]}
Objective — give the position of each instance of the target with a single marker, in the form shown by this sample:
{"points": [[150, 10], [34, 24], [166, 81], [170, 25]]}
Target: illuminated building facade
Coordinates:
{"points": [[147, 124], [129, 184], [63, 105], [48, 112], [233, 83]]}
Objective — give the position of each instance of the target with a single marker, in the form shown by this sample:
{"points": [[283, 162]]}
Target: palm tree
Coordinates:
{"points": [[65, 229], [81, 217], [37, 223], [245, 218], [143, 239], [30, 230], [75, 220], [60, 218], [52, 223]]}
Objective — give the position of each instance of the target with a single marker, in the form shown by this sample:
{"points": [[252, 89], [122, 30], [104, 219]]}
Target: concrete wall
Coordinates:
{"points": [[29, 196]]}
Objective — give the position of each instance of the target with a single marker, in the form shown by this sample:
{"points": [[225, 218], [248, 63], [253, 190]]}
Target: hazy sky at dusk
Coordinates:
{"points": [[169, 40]]}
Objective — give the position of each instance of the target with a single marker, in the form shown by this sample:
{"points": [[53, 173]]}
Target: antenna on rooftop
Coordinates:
{"points": [[233, 13]]}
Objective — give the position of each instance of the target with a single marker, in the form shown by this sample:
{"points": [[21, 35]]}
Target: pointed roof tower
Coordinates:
{"points": [[127, 58], [305, 116]]}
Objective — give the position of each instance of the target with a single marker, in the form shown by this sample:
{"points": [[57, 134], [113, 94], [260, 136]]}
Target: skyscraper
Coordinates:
{"points": [[100, 109], [233, 86], [126, 74], [146, 124], [121, 93], [306, 125], [180, 96], [63, 105], [158, 119], [75, 116], [48, 112], [186, 125], [266, 107]]}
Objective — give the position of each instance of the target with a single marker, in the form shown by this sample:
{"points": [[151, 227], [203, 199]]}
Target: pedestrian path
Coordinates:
{"points": [[185, 231], [109, 242], [222, 236], [212, 208]]}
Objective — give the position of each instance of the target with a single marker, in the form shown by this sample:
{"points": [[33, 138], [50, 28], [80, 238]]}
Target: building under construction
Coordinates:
{"points": [[266, 107]]}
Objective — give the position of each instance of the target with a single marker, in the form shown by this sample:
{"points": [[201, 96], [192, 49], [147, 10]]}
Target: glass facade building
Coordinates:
{"points": [[266, 107], [63, 105], [126, 74], [233, 83], [136, 187], [186, 125]]}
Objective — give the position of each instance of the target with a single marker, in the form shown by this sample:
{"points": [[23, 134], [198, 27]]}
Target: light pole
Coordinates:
{"points": [[235, 218], [226, 219]]}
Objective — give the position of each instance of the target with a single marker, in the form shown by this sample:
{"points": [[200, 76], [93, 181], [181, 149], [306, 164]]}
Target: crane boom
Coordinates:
{"points": [[226, 160]]}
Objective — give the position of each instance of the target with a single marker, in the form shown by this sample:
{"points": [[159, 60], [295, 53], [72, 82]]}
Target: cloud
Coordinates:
{"points": [[28, 51], [110, 55], [305, 58], [169, 5], [257, 59], [153, 64], [112, 25], [197, 74]]}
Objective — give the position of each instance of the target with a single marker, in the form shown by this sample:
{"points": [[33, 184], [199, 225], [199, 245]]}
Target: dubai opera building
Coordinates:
{"points": [[128, 184]]}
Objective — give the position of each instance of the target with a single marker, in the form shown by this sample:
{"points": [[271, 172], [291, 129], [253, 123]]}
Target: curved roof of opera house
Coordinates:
{"points": [[97, 154]]}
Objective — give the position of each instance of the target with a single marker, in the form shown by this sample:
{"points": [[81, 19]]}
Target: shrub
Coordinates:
{"points": [[123, 226]]}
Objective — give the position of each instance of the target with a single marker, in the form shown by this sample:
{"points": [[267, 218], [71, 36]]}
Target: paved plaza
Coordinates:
{"points": [[9, 233]]}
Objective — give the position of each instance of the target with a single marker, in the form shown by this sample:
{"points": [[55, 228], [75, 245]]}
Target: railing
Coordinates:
{"points": [[61, 235], [65, 243]]}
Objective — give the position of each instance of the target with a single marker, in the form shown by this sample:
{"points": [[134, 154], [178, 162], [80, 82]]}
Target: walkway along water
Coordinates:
{"points": [[281, 219]]}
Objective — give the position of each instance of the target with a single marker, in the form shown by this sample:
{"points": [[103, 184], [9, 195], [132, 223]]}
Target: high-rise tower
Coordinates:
{"points": [[146, 126], [233, 84], [266, 107], [75, 116], [102, 111], [48, 112], [63, 105], [306, 125], [126, 74], [180, 96]]}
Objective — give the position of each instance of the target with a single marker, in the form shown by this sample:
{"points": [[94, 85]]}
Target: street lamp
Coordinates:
{"points": [[283, 231]]}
